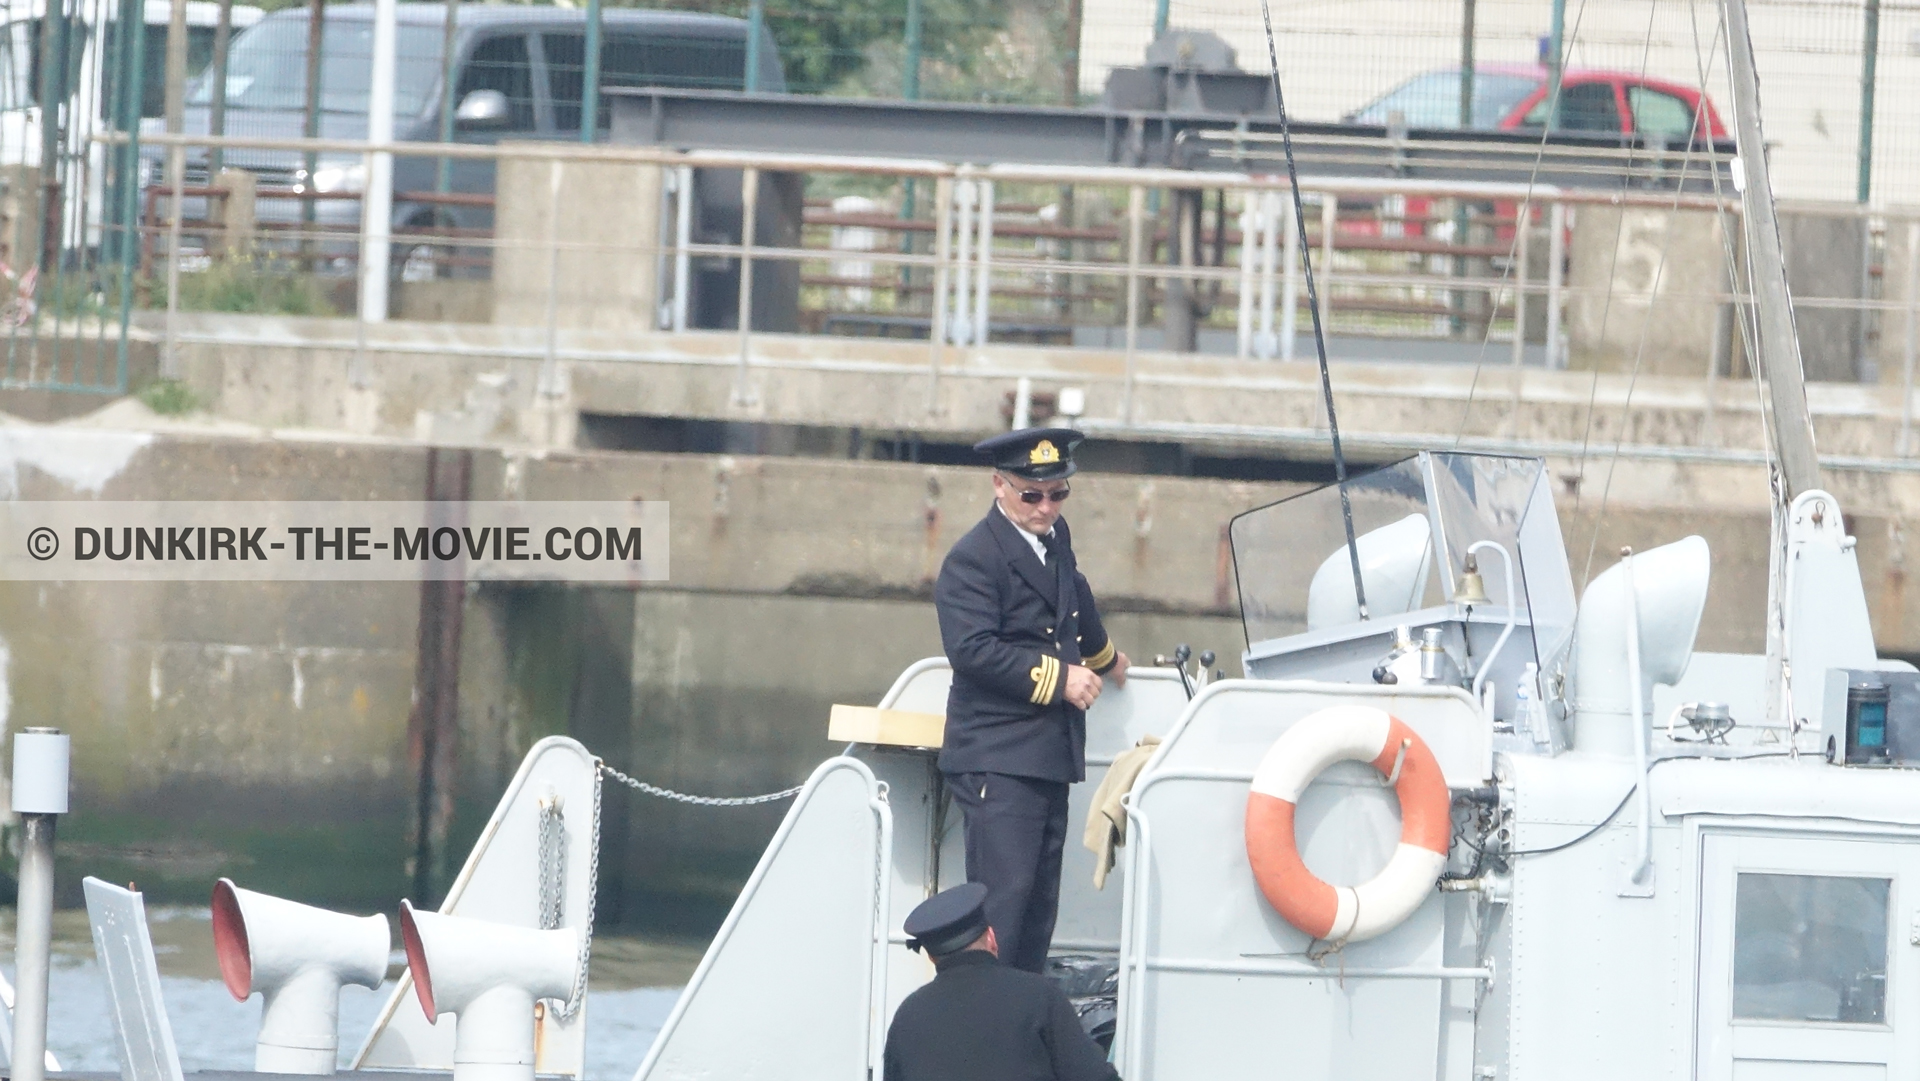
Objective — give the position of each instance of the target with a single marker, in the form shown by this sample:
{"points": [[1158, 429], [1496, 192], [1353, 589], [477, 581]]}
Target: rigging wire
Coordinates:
{"points": [[1606, 311], [1513, 253], [1646, 324], [1313, 307]]}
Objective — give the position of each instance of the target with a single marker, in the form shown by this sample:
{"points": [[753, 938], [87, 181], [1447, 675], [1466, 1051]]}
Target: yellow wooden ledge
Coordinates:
{"points": [[888, 727]]}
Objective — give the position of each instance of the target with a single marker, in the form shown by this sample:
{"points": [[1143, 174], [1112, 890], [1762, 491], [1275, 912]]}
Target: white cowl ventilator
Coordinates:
{"points": [[1669, 588], [297, 957], [488, 975]]}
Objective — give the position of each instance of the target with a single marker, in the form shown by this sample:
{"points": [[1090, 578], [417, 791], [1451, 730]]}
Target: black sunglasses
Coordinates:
{"points": [[1035, 495]]}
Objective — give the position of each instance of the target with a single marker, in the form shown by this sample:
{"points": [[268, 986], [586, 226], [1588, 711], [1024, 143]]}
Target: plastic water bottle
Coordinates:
{"points": [[1527, 711]]}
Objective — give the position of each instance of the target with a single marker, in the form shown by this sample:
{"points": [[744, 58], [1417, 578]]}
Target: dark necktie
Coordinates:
{"points": [[1051, 542]]}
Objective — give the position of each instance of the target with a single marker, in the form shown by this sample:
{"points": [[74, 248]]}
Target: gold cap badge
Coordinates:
{"points": [[1043, 453]]}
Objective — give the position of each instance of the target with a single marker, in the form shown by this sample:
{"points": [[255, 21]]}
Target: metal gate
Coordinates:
{"points": [[69, 254]]}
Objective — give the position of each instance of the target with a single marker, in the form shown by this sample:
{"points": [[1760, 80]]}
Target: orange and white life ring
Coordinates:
{"points": [[1316, 741]]}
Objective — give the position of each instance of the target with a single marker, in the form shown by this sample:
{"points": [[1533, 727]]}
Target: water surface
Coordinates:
{"points": [[632, 984]]}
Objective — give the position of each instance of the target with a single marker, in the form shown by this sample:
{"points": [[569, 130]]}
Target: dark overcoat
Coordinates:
{"points": [[980, 1020], [1011, 626]]}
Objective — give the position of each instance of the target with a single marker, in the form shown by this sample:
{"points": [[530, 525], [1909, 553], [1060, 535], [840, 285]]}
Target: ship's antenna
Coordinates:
{"points": [[1313, 307]]}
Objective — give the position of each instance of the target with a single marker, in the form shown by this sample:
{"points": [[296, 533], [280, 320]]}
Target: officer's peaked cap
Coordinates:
{"points": [[1033, 453], [949, 920]]}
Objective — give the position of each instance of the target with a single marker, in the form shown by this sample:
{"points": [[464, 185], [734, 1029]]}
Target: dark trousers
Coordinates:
{"points": [[1016, 829]]}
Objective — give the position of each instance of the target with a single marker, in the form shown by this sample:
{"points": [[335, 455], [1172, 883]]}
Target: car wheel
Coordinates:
{"points": [[417, 258]]}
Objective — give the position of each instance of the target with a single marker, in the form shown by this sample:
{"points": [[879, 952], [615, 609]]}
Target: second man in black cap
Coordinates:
{"points": [[980, 1020], [1029, 654]]}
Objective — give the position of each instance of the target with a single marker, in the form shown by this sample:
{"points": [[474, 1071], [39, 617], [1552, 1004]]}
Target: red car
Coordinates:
{"points": [[1513, 97]]}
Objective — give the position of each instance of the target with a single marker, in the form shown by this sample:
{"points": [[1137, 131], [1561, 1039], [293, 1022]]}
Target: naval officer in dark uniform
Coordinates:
{"points": [[980, 1020], [1029, 655]]}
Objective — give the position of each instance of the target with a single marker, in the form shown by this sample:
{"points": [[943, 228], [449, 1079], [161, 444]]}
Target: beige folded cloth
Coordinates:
{"points": [[1106, 819]]}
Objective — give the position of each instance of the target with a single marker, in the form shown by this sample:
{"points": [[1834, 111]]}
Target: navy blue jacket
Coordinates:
{"points": [[1011, 625], [980, 1020]]}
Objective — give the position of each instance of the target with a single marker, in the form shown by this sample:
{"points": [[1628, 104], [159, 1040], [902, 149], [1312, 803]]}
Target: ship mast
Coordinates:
{"points": [[1791, 430], [1776, 348]]}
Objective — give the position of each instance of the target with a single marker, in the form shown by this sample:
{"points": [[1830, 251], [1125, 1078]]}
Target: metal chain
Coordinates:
{"points": [[556, 865], [579, 996], [698, 801], [553, 863]]}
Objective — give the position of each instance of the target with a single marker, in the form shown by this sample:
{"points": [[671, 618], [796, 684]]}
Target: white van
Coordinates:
{"points": [[93, 45]]}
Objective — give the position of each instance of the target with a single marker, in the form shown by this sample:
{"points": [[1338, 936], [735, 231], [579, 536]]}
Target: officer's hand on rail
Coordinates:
{"points": [[1082, 686], [1118, 673]]}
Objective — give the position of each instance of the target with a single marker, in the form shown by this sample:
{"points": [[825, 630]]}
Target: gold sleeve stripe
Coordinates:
{"points": [[1103, 658], [1045, 676]]}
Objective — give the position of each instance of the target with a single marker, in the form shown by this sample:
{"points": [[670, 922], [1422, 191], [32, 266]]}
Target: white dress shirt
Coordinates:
{"points": [[1033, 542]]}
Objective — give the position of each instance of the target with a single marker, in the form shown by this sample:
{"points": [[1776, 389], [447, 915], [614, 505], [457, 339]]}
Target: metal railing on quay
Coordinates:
{"points": [[1123, 259]]}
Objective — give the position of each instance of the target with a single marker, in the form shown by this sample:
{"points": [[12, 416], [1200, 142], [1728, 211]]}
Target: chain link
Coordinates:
{"points": [[552, 861], [579, 996], [698, 801]]}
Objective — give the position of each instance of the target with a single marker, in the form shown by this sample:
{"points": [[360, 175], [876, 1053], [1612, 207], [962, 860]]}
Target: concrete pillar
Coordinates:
{"points": [[1625, 293], [1899, 286], [234, 212], [1826, 259], [1182, 306], [19, 216], [613, 209]]}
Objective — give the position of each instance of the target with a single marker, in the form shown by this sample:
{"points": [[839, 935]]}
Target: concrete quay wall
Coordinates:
{"points": [[509, 386]]}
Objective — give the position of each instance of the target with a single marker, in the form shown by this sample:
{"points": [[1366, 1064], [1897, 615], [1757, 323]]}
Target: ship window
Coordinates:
{"points": [[1810, 948]]}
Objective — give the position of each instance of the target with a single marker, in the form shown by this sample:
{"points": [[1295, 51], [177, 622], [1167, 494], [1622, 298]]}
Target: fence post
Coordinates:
{"points": [[1869, 63], [1556, 33], [376, 203], [749, 213], [316, 41], [550, 362], [1136, 218], [1329, 225], [1466, 66], [960, 333], [1556, 275], [682, 236], [937, 317], [176, 172], [1523, 225], [1290, 258], [1248, 249], [983, 273], [132, 198], [449, 40], [1913, 338], [54, 85], [756, 25], [217, 87], [590, 73], [910, 83]]}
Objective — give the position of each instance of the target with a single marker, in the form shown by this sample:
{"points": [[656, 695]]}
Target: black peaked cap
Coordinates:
{"points": [[1033, 453], [948, 920]]}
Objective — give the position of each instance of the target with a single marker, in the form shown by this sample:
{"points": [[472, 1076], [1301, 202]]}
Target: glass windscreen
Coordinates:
{"points": [[1433, 100], [1296, 571], [268, 69], [1810, 948], [1291, 556]]}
